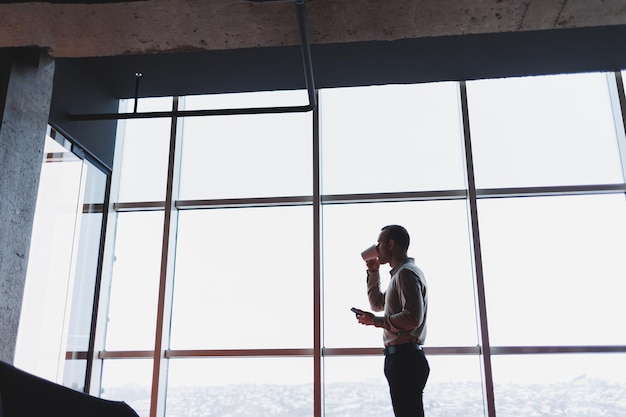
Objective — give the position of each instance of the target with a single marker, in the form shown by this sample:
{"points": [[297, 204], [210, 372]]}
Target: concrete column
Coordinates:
{"points": [[26, 77]]}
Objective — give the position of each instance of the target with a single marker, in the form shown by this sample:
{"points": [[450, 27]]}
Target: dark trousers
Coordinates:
{"points": [[407, 373]]}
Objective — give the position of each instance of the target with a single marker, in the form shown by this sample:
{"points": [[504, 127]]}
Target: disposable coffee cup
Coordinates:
{"points": [[369, 253]]}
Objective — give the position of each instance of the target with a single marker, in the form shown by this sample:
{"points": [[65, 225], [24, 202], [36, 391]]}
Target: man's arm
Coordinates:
{"points": [[375, 296]]}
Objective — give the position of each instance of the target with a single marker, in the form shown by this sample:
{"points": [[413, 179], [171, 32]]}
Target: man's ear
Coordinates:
{"points": [[392, 244]]}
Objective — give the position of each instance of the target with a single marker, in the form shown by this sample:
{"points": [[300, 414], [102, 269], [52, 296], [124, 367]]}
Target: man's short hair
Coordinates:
{"points": [[399, 235]]}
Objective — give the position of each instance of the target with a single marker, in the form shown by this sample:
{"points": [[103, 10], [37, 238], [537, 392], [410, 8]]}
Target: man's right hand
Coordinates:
{"points": [[372, 264]]}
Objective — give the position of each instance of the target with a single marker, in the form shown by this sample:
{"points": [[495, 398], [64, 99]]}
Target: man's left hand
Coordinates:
{"points": [[366, 318]]}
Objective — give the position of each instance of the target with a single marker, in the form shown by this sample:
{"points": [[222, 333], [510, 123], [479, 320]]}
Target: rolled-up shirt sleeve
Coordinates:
{"points": [[375, 296]]}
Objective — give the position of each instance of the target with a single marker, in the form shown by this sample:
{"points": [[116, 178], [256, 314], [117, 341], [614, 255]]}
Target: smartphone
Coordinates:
{"points": [[355, 311]]}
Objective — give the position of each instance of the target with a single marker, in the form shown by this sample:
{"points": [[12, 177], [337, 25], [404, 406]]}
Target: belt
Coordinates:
{"points": [[407, 347]]}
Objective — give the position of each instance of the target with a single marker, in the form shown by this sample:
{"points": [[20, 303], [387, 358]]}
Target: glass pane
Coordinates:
{"points": [[543, 131], [128, 380], [148, 104], [355, 386], [42, 333], [143, 171], [247, 100], [453, 389], [240, 387], [74, 374], [391, 138], [554, 269], [84, 282], [55, 149], [560, 385], [440, 246], [95, 185], [87, 260], [245, 273], [135, 281], [263, 155]]}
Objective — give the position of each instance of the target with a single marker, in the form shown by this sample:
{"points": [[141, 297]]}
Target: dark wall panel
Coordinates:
{"points": [[78, 90], [366, 63]]}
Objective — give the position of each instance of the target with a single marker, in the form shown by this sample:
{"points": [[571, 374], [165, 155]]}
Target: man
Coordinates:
{"points": [[404, 321]]}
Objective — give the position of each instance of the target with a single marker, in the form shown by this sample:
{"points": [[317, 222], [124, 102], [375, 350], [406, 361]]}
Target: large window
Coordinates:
{"points": [[235, 246]]}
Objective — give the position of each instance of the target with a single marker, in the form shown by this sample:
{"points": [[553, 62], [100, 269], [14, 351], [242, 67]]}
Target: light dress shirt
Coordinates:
{"points": [[405, 304]]}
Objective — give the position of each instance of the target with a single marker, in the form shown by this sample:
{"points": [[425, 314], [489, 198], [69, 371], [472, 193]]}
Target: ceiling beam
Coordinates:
{"points": [[105, 28]]}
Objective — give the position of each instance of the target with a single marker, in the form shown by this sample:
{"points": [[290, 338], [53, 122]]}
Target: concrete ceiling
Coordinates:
{"points": [[111, 28]]}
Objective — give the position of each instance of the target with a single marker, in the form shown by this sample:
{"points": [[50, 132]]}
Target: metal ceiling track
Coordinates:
{"points": [[308, 76]]}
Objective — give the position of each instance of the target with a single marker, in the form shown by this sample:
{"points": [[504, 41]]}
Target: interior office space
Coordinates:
{"points": [[65, 84]]}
